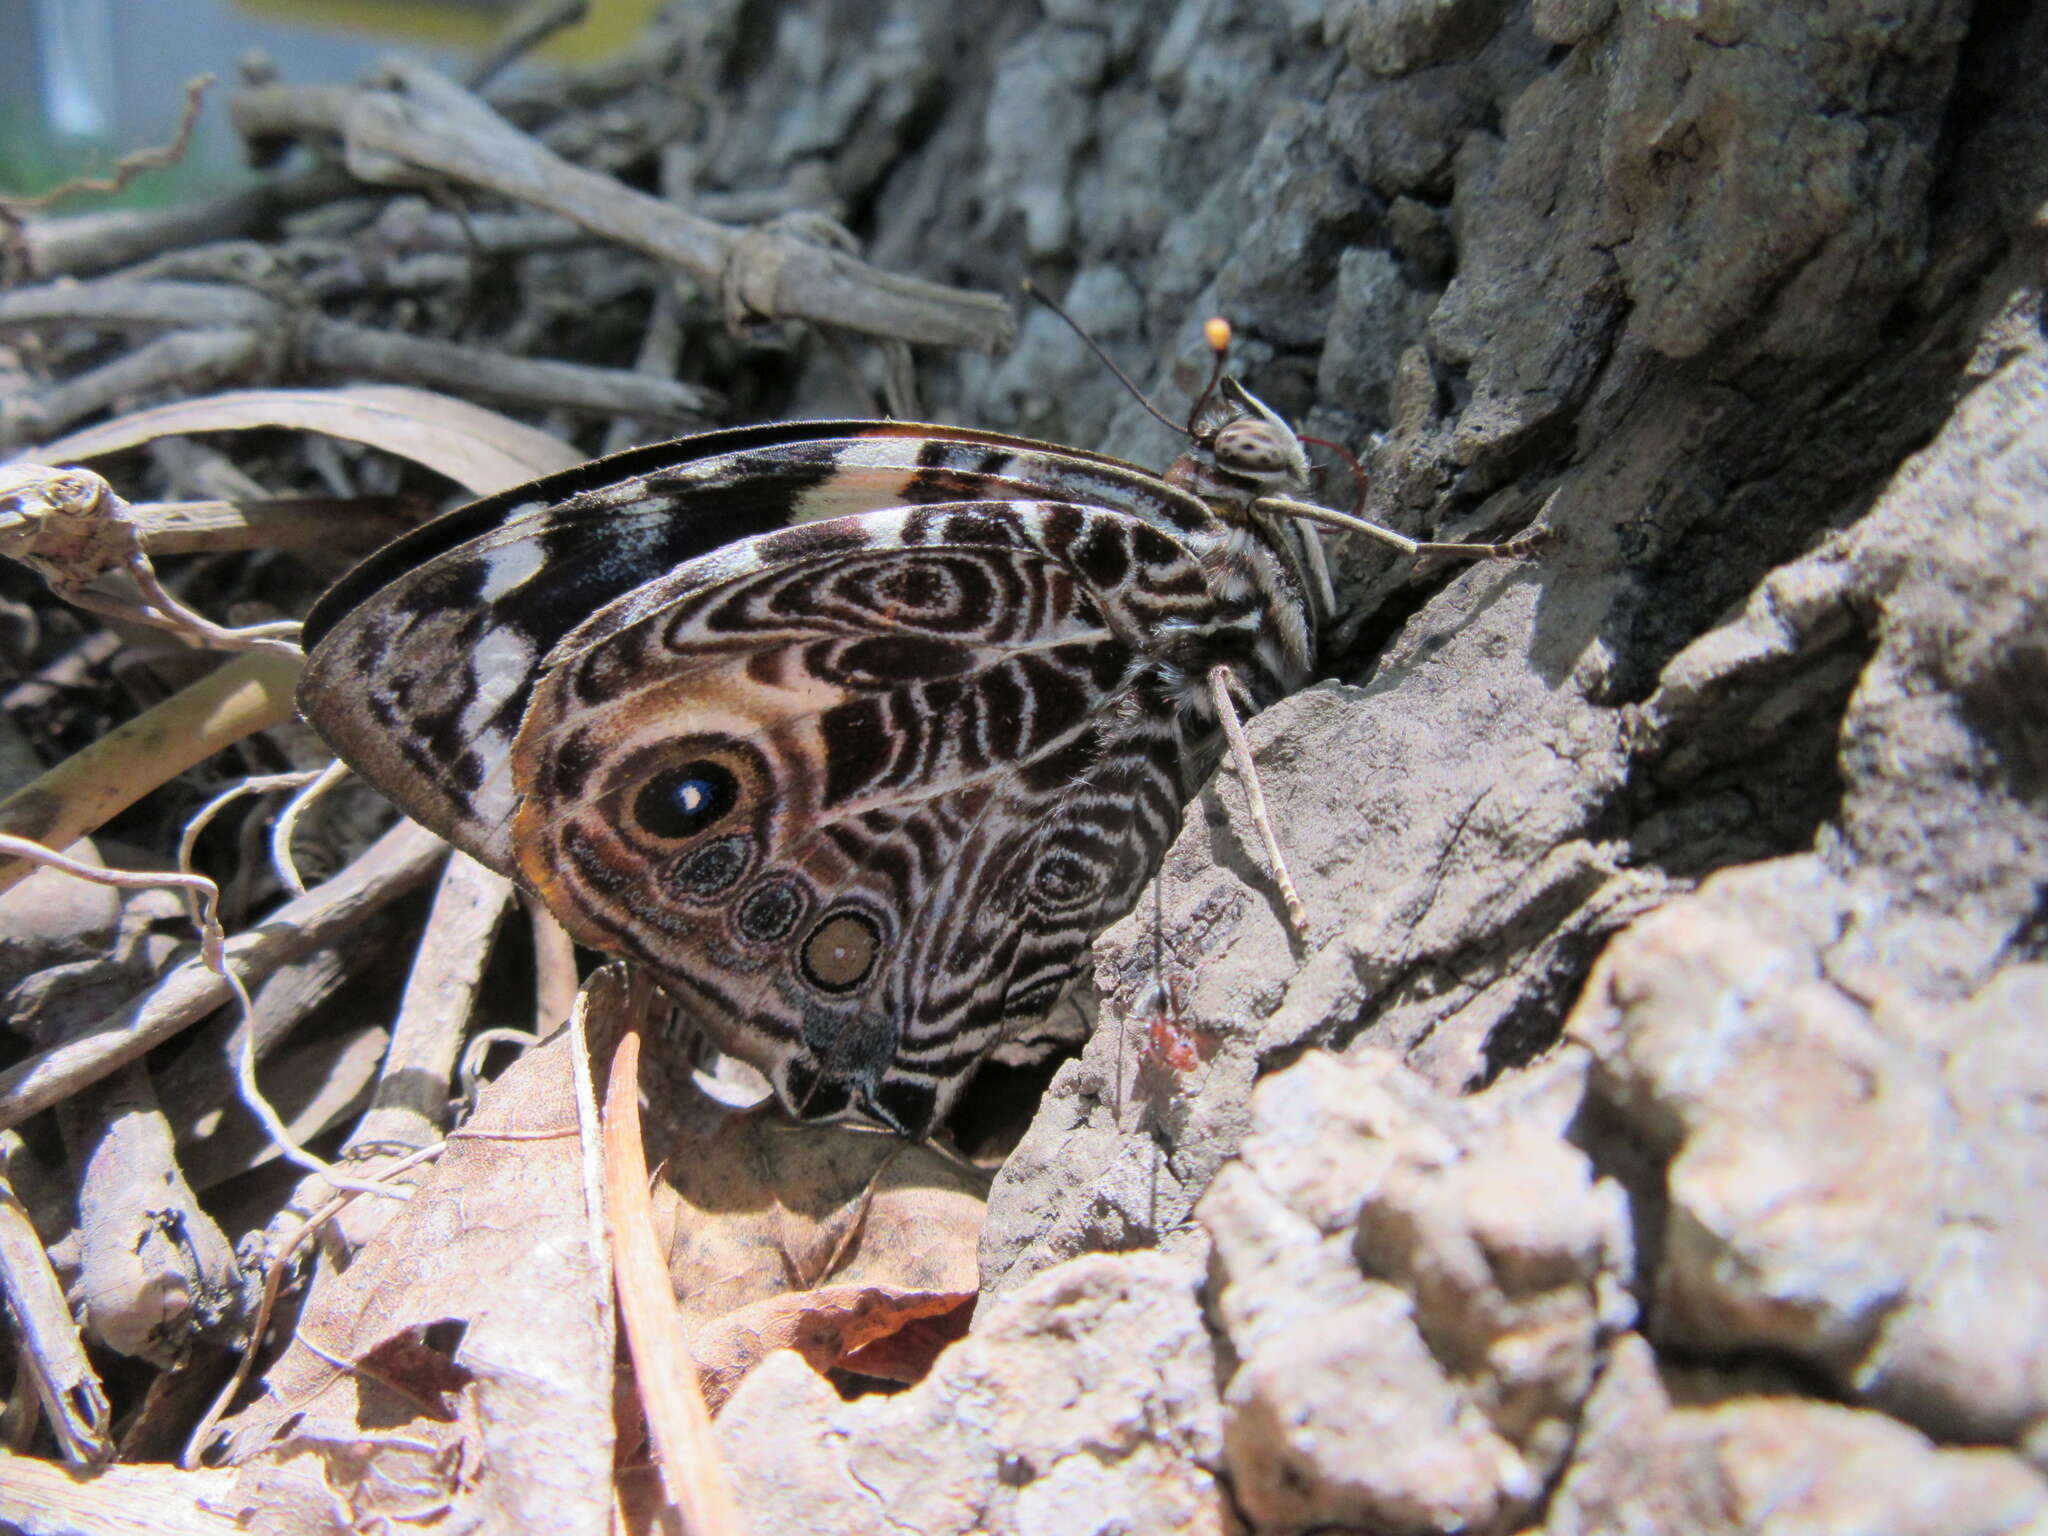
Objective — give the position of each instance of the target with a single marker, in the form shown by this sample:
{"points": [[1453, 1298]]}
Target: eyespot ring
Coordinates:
{"points": [[771, 911], [841, 951], [711, 869]]}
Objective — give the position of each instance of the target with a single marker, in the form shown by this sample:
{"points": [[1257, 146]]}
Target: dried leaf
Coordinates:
{"points": [[44, 1500], [477, 448], [822, 1239], [461, 1367]]}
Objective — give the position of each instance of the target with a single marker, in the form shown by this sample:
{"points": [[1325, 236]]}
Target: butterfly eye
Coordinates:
{"points": [[681, 802], [1250, 448], [841, 951]]}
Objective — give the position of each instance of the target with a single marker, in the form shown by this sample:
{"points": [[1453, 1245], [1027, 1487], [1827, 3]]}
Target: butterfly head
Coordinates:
{"points": [[1238, 450]]}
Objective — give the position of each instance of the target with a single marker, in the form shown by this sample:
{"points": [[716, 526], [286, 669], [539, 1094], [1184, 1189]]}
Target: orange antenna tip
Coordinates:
{"points": [[1216, 331]]}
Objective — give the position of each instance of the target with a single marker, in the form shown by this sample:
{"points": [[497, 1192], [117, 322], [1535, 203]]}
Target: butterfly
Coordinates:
{"points": [[855, 733]]}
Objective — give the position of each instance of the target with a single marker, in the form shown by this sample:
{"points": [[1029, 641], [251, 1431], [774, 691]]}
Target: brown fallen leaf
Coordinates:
{"points": [[461, 1368], [823, 1239]]}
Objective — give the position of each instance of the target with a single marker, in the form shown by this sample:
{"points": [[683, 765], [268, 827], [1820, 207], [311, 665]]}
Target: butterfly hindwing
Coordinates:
{"points": [[865, 790]]}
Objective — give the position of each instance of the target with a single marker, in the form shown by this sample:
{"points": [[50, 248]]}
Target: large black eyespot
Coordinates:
{"points": [[681, 802], [841, 951]]}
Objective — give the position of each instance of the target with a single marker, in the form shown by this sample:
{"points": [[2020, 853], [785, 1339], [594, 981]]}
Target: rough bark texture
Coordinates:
{"points": [[1743, 298]]}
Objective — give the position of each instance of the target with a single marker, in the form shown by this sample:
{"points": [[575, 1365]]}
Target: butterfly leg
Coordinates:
{"points": [[1530, 541], [1220, 683]]}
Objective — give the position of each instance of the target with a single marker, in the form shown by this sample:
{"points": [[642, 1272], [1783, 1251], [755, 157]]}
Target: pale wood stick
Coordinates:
{"points": [[677, 1421], [1220, 680]]}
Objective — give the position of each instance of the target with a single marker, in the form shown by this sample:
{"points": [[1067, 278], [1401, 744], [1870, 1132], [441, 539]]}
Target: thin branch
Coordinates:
{"points": [[764, 274], [414, 1089], [390, 867]]}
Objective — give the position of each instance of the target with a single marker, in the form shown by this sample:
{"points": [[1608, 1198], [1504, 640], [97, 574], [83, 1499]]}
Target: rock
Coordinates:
{"points": [[1774, 165], [1850, 1184], [1086, 1403], [1416, 1290], [1728, 1461], [1836, 1057], [1392, 37]]}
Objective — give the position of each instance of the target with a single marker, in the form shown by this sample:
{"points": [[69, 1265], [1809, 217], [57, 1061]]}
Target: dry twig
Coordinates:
{"points": [[411, 1105], [65, 1381], [434, 127], [225, 332]]}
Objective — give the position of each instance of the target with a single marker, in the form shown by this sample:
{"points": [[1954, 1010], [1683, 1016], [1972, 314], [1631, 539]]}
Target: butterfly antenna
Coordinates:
{"points": [[1216, 332], [1032, 290]]}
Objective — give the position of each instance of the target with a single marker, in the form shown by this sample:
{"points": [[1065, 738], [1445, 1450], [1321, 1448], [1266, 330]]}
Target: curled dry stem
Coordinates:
{"points": [[213, 954], [155, 158], [71, 528], [259, 784], [248, 694]]}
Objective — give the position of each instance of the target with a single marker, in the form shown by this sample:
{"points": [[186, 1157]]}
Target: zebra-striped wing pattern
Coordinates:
{"points": [[855, 733]]}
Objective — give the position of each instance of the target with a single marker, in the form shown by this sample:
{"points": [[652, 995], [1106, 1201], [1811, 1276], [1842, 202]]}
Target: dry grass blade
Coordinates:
{"points": [[246, 695], [677, 1420], [479, 449], [42, 1500]]}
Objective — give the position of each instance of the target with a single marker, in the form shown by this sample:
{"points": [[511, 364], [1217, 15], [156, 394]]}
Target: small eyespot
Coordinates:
{"points": [[771, 911], [681, 802], [1062, 880], [841, 951], [714, 868]]}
